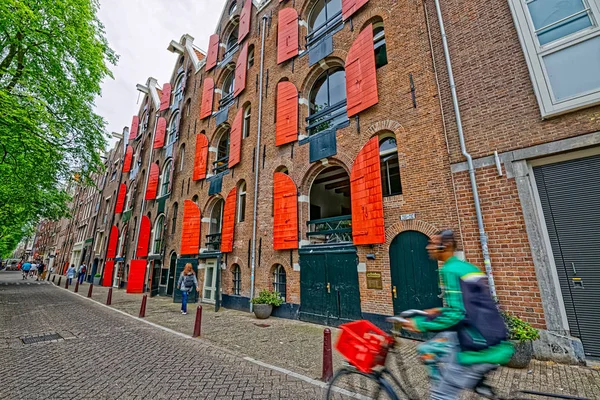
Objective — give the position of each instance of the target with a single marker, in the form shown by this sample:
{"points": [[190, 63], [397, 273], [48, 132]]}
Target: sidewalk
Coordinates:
{"points": [[297, 346]]}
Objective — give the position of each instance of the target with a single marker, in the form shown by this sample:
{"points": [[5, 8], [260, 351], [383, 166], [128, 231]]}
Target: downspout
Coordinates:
{"points": [[482, 235], [257, 158]]}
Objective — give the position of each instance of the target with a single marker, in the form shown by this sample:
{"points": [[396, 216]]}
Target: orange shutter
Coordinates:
{"points": [[349, 7], [159, 136], [136, 277], [200, 157], [239, 83], [361, 78], [128, 158], [190, 232], [213, 51], [121, 198], [245, 19], [107, 278], [285, 210], [152, 182], [135, 124], [368, 226], [143, 237], [207, 98], [287, 35], [229, 221], [165, 98], [235, 139], [286, 128], [111, 250]]}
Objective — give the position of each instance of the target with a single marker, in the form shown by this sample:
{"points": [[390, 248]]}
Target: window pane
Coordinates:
{"points": [[387, 144], [318, 95], [337, 86], [333, 7], [545, 13], [317, 15]]}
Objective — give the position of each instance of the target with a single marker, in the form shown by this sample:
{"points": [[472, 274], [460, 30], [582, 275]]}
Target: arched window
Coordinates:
{"points": [[222, 162], [174, 218], [121, 244], [250, 56], [177, 95], [165, 178], [227, 89], [327, 101], [213, 239], [323, 15], [195, 199], [129, 198], [144, 123], [173, 129], [232, 40], [237, 279], [279, 280], [232, 7], [246, 126], [379, 44], [181, 157], [390, 167], [241, 202], [157, 234]]}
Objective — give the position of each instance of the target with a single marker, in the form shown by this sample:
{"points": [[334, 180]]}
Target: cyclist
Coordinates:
{"points": [[474, 337]]}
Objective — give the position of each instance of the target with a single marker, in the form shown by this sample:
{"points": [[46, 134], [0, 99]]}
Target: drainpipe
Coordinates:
{"points": [[256, 161], [482, 235]]}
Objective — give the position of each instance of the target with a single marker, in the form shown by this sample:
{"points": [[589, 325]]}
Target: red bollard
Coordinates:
{"points": [[143, 306], [67, 283], [109, 297], [53, 276], [77, 286], [59, 278], [198, 323], [90, 290], [327, 357]]}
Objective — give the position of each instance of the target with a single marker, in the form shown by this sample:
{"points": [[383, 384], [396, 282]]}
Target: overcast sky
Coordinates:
{"points": [[140, 32]]}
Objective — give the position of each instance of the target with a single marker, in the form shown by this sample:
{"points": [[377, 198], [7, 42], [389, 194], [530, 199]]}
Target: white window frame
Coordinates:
{"points": [[158, 229], [534, 54], [166, 174], [241, 208], [246, 122]]}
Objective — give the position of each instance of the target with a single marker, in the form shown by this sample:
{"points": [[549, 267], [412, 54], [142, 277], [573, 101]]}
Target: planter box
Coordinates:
{"points": [[97, 281], [523, 354], [263, 311]]}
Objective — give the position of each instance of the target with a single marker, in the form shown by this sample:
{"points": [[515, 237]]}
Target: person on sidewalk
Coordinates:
{"points": [[81, 273], [25, 269], [187, 282], [33, 270], [71, 273], [41, 271]]}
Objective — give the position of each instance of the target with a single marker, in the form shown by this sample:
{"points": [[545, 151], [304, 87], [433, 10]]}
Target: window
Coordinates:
{"points": [[227, 90], [246, 126], [178, 90], [113, 176], [121, 243], [174, 219], [157, 234], [232, 7], [241, 212], [222, 162], [237, 279], [324, 15], [144, 127], [232, 40], [390, 167], [279, 280], [213, 239], [165, 179], [560, 39], [129, 198], [379, 45], [188, 107], [250, 56], [181, 157], [173, 129], [327, 101]]}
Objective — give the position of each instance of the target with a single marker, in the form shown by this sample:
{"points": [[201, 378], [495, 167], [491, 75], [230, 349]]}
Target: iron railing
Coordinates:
{"points": [[213, 242], [228, 55], [327, 118], [226, 100], [221, 165], [330, 230]]}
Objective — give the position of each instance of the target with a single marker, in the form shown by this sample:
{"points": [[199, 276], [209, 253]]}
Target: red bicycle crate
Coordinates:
{"points": [[363, 344]]}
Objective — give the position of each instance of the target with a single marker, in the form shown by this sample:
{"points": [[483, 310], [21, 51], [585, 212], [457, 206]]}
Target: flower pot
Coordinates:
{"points": [[522, 356], [97, 280], [263, 311]]}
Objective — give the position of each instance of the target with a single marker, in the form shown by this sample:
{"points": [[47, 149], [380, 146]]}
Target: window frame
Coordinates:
{"points": [[332, 111], [316, 33], [246, 122], [278, 272], [386, 154], [173, 129], [160, 231], [241, 202], [166, 174], [227, 98], [174, 219], [225, 159], [237, 280], [379, 41]]}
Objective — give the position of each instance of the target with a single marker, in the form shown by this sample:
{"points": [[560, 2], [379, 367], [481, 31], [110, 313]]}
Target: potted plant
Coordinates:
{"points": [[263, 304], [522, 335], [97, 279]]}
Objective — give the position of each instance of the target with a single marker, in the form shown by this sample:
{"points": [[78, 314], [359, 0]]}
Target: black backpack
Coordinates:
{"points": [[188, 282]]}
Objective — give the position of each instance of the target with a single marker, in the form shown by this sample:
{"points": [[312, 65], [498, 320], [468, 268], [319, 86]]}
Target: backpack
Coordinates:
{"points": [[188, 282], [83, 269]]}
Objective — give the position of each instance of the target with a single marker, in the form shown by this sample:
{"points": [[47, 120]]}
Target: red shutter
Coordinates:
{"points": [[107, 277], [368, 225], [136, 277], [201, 157], [213, 51], [285, 211], [286, 128], [128, 158], [159, 136], [190, 233], [349, 7], [152, 182], [207, 98], [135, 124], [111, 250], [287, 35], [228, 229], [165, 98], [361, 78], [245, 19], [121, 198], [235, 139], [239, 83], [143, 237]]}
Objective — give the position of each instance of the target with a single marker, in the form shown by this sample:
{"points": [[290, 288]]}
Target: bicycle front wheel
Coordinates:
{"points": [[348, 381]]}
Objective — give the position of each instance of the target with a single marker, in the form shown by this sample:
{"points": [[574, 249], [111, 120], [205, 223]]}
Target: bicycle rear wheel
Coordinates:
{"points": [[349, 381]]}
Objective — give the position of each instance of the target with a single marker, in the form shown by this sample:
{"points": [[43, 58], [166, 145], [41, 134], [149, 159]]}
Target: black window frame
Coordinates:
{"points": [[237, 280], [278, 274]]}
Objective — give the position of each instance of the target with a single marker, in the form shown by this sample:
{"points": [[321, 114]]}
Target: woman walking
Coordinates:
{"points": [[187, 282], [71, 273]]}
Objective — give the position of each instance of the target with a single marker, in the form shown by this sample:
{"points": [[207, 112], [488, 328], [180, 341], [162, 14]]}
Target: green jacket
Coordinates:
{"points": [[453, 313]]}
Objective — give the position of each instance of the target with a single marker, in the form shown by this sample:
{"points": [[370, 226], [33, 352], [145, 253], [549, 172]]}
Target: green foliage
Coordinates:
{"points": [[268, 297], [97, 276], [519, 329]]}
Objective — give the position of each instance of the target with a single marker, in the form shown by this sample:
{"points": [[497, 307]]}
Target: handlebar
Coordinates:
{"points": [[406, 314]]}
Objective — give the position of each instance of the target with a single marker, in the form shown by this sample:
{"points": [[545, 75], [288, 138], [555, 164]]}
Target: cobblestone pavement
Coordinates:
{"points": [[102, 354]]}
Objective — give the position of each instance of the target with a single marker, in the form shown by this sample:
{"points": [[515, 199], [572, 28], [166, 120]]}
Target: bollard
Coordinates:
{"points": [[90, 290], [327, 358], [67, 283], [53, 276], [143, 306], [77, 286], [198, 322], [59, 278], [49, 273], [109, 297]]}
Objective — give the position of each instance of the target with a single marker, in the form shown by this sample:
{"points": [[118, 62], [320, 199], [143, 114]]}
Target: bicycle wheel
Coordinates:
{"points": [[348, 381]]}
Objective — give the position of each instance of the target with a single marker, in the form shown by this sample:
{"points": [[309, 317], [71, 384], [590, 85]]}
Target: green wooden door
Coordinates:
{"points": [[193, 297]]}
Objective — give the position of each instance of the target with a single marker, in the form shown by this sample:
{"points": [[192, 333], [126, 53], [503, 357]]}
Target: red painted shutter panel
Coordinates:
{"points": [[152, 182], [165, 98], [240, 71], [349, 7], [213, 51], [229, 221], [143, 237], [200, 157], [287, 35], [121, 198], [368, 226], [107, 277], [361, 76], [235, 139], [286, 128], [128, 159], [245, 19], [135, 124], [190, 232], [159, 136], [207, 98], [285, 212], [136, 277], [111, 250]]}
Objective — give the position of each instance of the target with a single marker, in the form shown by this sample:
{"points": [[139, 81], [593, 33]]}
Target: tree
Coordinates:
{"points": [[53, 58]]}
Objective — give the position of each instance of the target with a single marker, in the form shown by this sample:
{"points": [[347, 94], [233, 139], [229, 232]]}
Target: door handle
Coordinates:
{"points": [[574, 270], [394, 292], [328, 288]]}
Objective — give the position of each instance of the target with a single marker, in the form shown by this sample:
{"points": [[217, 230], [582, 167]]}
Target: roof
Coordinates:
{"points": [[199, 54]]}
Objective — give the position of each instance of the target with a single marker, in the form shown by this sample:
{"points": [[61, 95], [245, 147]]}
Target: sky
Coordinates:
{"points": [[140, 31]]}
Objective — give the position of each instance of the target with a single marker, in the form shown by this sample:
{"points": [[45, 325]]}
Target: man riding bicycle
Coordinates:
{"points": [[474, 337]]}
